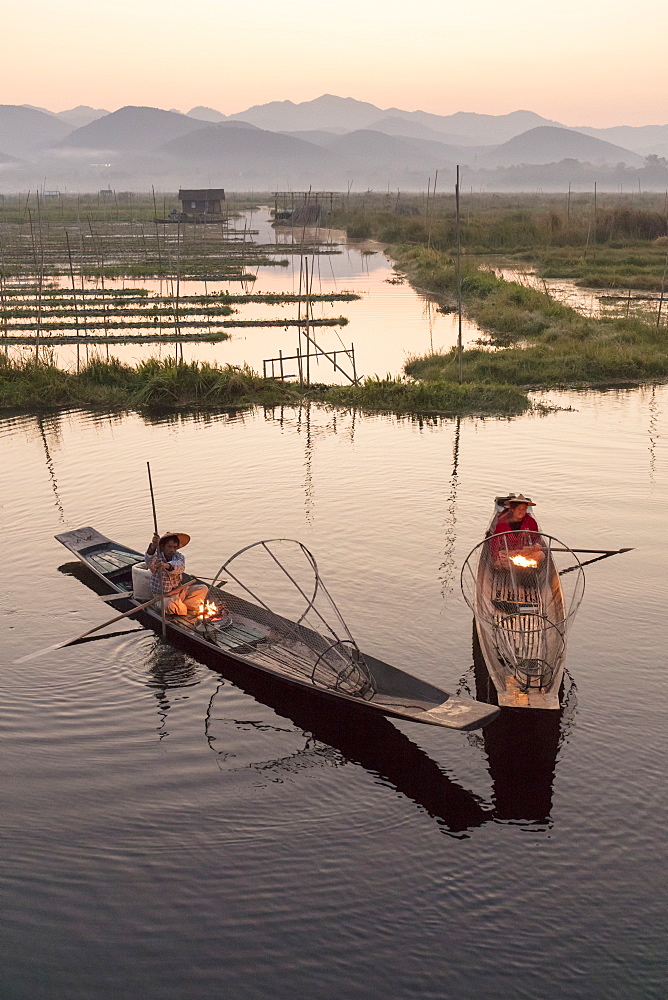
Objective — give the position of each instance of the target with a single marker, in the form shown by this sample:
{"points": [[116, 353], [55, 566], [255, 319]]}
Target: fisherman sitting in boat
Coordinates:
{"points": [[515, 540], [167, 565]]}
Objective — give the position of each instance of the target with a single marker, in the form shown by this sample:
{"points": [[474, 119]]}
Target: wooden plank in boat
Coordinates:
{"points": [[238, 635], [232, 636]]}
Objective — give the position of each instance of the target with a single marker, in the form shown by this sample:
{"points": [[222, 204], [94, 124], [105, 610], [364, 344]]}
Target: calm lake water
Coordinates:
{"points": [[388, 323], [176, 828]]}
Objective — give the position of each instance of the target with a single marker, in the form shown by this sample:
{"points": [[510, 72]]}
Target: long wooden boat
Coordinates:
{"points": [[522, 612], [252, 634]]}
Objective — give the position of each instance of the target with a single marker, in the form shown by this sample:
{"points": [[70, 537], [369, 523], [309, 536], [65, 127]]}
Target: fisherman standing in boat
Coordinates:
{"points": [[520, 535], [166, 565]]}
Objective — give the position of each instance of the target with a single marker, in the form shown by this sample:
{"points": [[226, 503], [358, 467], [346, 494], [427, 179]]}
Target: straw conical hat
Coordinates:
{"points": [[520, 498], [182, 537]]}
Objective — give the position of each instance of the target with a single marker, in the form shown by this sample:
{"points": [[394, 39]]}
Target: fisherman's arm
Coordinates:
{"points": [[151, 550]]}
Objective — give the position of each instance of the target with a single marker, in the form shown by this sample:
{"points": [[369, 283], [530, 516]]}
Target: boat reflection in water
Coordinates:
{"points": [[331, 735], [521, 747]]}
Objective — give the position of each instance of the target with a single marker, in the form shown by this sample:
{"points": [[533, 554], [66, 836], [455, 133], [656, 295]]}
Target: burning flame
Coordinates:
{"points": [[207, 609], [522, 561]]}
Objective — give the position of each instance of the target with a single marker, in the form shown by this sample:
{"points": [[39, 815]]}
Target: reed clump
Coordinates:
{"points": [[399, 395], [604, 242], [166, 384]]}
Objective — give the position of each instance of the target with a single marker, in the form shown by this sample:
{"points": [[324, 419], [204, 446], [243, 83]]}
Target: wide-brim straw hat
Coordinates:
{"points": [[181, 535], [520, 498]]}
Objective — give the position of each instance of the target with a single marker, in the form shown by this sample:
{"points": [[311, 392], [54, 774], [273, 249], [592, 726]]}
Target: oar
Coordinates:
{"points": [[604, 554], [598, 552], [150, 486], [69, 642]]}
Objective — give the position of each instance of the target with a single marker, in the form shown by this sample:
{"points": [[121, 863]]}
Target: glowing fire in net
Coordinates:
{"points": [[524, 562], [208, 609]]}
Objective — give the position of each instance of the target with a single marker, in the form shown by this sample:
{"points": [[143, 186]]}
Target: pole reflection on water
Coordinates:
{"points": [[448, 566]]}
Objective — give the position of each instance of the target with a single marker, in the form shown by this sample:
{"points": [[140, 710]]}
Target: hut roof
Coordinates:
{"points": [[202, 194]]}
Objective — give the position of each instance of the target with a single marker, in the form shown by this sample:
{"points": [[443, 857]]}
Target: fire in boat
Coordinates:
{"points": [[208, 609], [523, 562], [523, 604]]}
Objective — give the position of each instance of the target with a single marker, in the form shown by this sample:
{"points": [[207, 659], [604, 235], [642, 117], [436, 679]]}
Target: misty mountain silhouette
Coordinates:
{"points": [[206, 114], [546, 144], [327, 142], [82, 115], [25, 130], [130, 130], [243, 150]]}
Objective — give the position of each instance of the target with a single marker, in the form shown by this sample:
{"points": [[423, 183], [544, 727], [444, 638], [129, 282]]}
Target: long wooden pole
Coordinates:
{"points": [[150, 484], [74, 296], [459, 282], [77, 638], [155, 528], [605, 552], [663, 289]]}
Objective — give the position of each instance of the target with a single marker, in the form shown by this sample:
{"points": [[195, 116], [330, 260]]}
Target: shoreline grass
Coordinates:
{"points": [[542, 343], [170, 385], [617, 241]]}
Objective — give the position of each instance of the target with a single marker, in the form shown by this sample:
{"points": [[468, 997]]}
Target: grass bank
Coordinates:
{"points": [[541, 342], [640, 265], [167, 384], [613, 241]]}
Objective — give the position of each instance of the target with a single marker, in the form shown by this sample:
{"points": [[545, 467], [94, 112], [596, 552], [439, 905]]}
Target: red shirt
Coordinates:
{"points": [[514, 540]]}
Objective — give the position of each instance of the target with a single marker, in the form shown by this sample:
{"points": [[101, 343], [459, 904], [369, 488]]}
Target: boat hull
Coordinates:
{"points": [[497, 630], [248, 639], [512, 583]]}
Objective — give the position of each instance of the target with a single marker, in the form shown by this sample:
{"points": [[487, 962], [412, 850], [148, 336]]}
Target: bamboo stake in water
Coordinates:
{"points": [[459, 281], [433, 207], [41, 279], [74, 298], [663, 289]]}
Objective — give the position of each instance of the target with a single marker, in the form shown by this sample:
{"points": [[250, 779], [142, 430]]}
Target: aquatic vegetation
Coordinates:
{"points": [[167, 383], [399, 395], [598, 353], [543, 343], [603, 242]]}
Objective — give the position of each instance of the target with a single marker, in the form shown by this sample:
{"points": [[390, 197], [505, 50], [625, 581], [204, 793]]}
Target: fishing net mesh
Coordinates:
{"points": [[276, 583], [524, 588]]}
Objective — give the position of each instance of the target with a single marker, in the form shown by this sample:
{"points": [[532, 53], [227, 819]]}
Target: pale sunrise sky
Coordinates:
{"points": [[580, 62]]}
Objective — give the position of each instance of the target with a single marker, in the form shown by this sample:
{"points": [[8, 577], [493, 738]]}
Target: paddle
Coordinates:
{"points": [[70, 642], [600, 554]]}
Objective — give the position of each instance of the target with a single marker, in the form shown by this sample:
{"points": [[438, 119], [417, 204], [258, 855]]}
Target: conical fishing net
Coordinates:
{"points": [[524, 588], [277, 586]]}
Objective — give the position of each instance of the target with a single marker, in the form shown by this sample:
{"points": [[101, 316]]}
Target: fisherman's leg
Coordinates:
{"points": [[192, 595], [174, 604]]}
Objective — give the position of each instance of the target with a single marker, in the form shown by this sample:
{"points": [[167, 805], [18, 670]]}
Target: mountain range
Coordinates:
{"points": [[330, 142]]}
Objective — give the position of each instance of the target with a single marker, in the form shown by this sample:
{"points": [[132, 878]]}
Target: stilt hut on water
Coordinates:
{"points": [[201, 203]]}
